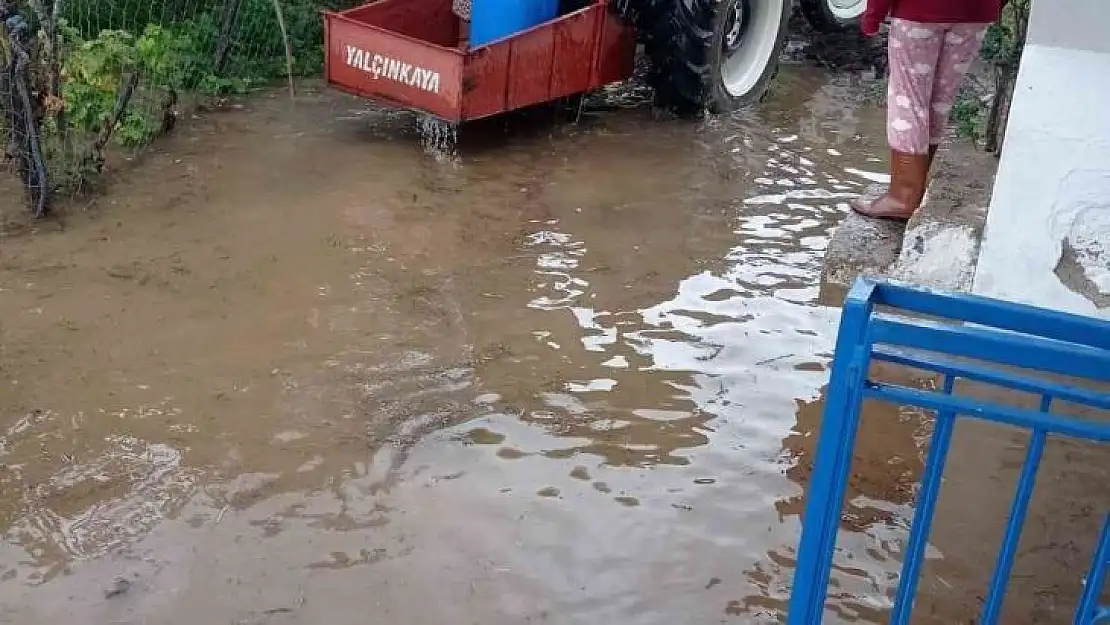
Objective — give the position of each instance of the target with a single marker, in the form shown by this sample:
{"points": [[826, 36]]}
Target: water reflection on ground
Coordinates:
{"points": [[299, 372]]}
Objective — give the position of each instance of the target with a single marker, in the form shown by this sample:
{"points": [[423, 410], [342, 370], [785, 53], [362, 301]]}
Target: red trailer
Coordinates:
{"points": [[407, 53]]}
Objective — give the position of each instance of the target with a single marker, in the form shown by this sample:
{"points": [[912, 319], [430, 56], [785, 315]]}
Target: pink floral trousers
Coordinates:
{"points": [[927, 64]]}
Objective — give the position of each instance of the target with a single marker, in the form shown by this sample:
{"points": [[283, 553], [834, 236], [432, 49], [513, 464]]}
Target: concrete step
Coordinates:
{"points": [[939, 246]]}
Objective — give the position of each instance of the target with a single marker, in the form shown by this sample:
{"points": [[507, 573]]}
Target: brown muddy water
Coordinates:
{"points": [[292, 368]]}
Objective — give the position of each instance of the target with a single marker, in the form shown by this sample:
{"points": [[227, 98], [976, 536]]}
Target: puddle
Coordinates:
{"points": [[570, 373]]}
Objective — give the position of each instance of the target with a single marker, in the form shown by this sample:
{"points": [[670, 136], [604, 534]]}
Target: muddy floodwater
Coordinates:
{"points": [[292, 367]]}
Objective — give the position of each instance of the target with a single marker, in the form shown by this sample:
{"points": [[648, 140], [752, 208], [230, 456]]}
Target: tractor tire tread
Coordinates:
{"points": [[678, 48], [681, 39]]}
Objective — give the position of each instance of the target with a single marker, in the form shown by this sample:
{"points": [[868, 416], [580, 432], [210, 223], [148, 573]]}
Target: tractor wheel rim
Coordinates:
{"points": [[745, 60], [847, 9], [735, 23]]}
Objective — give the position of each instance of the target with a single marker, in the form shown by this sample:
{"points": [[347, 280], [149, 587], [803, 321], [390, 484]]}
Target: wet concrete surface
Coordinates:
{"points": [[938, 248], [292, 368]]}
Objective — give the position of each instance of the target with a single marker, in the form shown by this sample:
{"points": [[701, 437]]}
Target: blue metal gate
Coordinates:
{"points": [[986, 341]]}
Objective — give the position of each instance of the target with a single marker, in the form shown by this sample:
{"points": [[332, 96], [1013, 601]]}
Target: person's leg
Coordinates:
{"points": [[914, 50], [961, 46]]}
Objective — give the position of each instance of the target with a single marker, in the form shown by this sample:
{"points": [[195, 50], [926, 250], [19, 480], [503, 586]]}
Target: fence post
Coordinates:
{"points": [[944, 427], [223, 44], [833, 460], [1088, 611]]}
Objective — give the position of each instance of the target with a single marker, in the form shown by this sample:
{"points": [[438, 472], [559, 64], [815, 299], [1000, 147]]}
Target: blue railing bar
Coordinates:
{"points": [[863, 293], [971, 371], [1088, 611], [1029, 419], [1014, 525], [1019, 350], [841, 474], [1015, 335], [998, 314], [914, 555], [832, 463]]}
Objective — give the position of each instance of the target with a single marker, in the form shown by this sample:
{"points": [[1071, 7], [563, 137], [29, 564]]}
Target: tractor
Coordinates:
{"points": [[721, 55], [704, 55]]}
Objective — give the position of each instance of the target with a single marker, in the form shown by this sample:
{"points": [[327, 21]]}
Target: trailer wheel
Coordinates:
{"points": [[718, 55], [831, 16]]}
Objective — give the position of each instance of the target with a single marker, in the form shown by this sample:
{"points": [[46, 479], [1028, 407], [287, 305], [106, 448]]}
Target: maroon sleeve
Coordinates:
{"points": [[874, 15]]}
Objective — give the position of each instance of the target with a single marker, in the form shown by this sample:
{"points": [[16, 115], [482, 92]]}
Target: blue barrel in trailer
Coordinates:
{"points": [[491, 20]]}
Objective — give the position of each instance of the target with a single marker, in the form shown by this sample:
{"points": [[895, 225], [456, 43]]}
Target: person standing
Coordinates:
{"points": [[931, 45]]}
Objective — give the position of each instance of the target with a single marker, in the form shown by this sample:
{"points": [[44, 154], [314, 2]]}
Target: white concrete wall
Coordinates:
{"points": [[1052, 194]]}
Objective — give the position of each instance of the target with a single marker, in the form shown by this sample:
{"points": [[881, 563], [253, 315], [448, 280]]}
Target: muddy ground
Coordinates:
{"points": [[292, 368]]}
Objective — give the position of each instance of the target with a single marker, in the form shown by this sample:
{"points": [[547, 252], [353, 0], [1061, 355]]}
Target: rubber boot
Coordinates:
{"points": [[909, 175]]}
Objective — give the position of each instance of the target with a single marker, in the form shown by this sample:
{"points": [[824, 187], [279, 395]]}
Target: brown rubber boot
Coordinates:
{"points": [[909, 175]]}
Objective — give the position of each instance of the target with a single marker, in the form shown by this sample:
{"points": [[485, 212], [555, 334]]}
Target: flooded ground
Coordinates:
{"points": [[294, 369]]}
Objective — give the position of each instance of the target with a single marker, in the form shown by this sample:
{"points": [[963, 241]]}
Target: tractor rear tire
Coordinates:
{"points": [[715, 55], [833, 16]]}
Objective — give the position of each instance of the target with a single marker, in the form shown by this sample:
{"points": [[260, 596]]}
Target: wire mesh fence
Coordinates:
{"points": [[107, 77], [20, 121]]}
